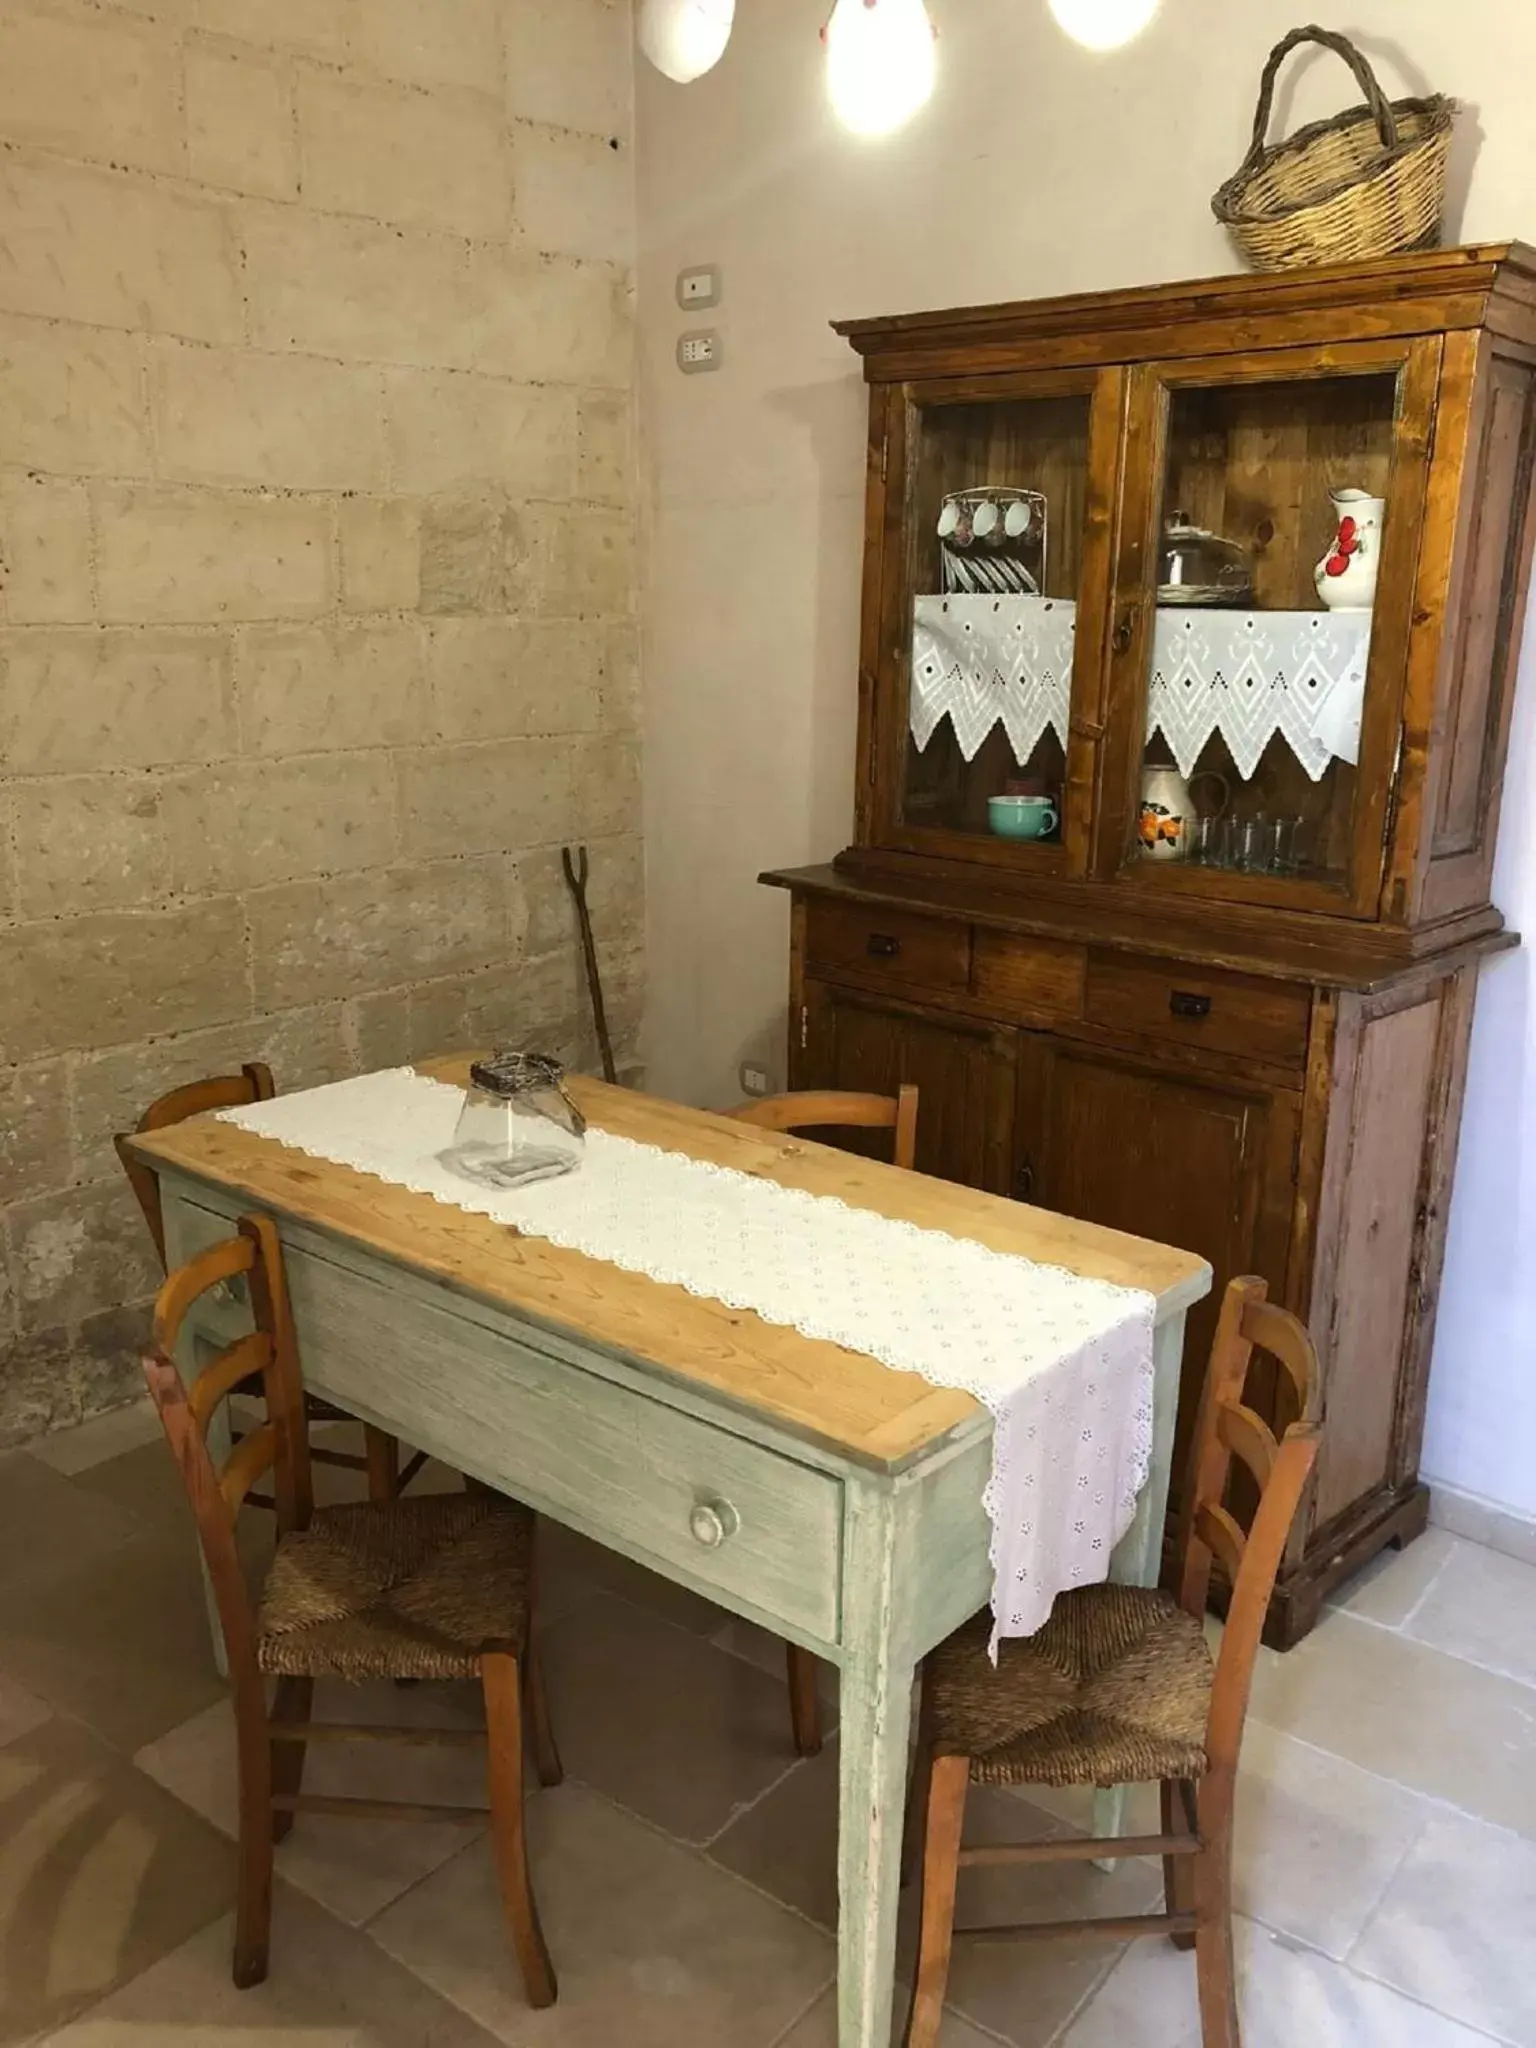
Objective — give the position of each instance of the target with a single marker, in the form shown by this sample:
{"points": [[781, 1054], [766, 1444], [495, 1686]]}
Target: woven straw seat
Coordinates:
{"points": [[1114, 1690], [418, 1589]]}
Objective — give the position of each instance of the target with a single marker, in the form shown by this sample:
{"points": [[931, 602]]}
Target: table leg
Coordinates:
{"points": [[1138, 1558], [874, 1722]]}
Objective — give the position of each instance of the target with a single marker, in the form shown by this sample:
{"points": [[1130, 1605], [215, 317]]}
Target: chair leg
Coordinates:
{"points": [[949, 1780], [915, 1825], [1214, 1962], [1178, 1871], [253, 1899], [295, 1702], [546, 1752], [383, 1455], [502, 1681], [804, 1706]]}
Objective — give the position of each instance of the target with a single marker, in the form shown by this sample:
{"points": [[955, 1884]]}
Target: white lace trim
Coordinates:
{"points": [[986, 661], [1064, 1363]]}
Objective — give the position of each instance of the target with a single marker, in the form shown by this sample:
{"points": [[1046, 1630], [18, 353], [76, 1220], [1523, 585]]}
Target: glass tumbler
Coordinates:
{"points": [[518, 1123]]}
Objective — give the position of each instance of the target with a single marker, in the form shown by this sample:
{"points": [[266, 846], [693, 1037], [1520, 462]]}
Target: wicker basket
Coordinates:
{"points": [[1368, 182]]}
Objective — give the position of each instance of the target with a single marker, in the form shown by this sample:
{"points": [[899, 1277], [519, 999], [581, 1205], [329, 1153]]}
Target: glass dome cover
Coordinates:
{"points": [[518, 1123]]}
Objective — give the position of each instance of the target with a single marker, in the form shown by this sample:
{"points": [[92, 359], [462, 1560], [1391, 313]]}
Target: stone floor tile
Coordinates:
{"points": [[354, 1868], [1318, 1840], [105, 1436], [1455, 1928], [653, 1946], [329, 1988], [49, 1528], [121, 1640], [1428, 1721], [20, 1711], [1290, 1997], [657, 1720], [819, 2028], [1389, 1588], [100, 1875], [1481, 1606]]}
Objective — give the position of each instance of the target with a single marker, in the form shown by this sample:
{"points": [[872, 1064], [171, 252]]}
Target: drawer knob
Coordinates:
{"points": [[1184, 1004], [713, 1522], [882, 946]]}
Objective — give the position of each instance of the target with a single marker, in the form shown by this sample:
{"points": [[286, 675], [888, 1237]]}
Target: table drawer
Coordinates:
{"points": [[1238, 1013], [730, 1517], [889, 945]]}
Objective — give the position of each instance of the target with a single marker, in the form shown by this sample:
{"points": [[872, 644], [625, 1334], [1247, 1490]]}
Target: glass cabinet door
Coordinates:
{"points": [[1268, 633], [1004, 579]]}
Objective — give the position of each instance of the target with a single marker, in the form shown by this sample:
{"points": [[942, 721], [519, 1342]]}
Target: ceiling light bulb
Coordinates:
{"points": [[1103, 24], [880, 62], [685, 38]]}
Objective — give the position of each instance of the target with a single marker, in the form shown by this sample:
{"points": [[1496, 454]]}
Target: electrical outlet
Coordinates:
{"points": [[754, 1080], [698, 350], [698, 288]]}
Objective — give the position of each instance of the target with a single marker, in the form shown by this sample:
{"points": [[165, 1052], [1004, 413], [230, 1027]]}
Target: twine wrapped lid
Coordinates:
{"points": [[509, 1075]]}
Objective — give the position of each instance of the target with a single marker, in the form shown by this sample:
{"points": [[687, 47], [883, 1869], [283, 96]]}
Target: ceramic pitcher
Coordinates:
{"points": [[1346, 576], [1167, 815]]}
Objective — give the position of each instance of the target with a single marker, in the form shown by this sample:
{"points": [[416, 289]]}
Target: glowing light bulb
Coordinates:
{"points": [[685, 38], [880, 62], [1103, 24]]}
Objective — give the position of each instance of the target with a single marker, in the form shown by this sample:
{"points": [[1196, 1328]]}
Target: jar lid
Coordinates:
{"points": [[515, 1073]]}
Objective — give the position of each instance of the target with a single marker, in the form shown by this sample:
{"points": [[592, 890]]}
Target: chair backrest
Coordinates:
{"points": [[279, 1445], [253, 1083], [1279, 1467], [828, 1108]]}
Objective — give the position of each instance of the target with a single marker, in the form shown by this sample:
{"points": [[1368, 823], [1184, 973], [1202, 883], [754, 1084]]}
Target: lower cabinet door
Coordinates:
{"points": [[1206, 1164], [964, 1073]]}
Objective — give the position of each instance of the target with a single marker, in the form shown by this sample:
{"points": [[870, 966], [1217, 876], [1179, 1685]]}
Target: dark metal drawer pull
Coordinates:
{"points": [[882, 946], [1183, 1004]]}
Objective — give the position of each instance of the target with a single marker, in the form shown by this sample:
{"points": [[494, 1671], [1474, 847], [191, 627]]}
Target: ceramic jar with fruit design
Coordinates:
{"points": [[1346, 576]]}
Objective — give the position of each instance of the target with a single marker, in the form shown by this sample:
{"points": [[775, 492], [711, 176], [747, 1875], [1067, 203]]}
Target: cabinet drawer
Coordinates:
{"points": [[889, 945], [728, 1516], [1027, 978], [1240, 1013]]}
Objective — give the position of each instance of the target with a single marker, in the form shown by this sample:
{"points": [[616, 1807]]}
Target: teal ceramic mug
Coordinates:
{"points": [[1022, 817]]}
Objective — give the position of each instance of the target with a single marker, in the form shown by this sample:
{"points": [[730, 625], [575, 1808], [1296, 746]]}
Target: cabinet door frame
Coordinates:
{"points": [[1417, 363], [886, 640], [810, 1024]]}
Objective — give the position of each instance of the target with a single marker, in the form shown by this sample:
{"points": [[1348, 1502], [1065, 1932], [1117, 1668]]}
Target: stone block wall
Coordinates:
{"points": [[317, 519]]}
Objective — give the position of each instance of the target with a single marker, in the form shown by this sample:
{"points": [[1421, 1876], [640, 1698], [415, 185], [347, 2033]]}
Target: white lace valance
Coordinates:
{"points": [[986, 661], [1064, 1363]]}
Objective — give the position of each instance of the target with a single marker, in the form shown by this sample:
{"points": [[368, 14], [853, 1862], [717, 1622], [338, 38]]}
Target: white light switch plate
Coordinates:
{"points": [[698, 288]]}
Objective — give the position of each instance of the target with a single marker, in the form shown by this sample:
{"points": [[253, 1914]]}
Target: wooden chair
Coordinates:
{"points": [[828, 1109], [254, 1083], [437, 1587], [1119, 1688]]}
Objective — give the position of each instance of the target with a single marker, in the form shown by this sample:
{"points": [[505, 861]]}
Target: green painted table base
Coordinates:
{"points": [[867, 1567]]}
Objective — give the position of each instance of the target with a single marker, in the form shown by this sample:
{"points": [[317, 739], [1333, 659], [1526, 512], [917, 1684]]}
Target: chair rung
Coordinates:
{"points": [[349, 1461], [376, 1809], [1118, 1930], [412, 1467], [343, 1731], [1111, 1849]]}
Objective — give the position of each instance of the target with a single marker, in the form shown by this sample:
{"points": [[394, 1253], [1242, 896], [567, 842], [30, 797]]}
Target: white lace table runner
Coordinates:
{"points": [[986, 661], [1063, 1363]]}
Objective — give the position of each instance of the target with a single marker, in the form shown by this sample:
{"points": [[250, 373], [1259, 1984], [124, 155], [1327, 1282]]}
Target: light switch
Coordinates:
{"points": [[698, 288]]}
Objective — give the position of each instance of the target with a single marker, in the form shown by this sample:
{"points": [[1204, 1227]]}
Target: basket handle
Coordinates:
{"points": [[1375, 99]]}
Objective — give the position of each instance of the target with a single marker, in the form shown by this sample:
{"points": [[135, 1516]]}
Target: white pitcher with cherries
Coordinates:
{"points": [[1346, 576]]}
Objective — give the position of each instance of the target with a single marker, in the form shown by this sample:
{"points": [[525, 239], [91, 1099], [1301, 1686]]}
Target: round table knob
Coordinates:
{"points": [[712, 1521]]}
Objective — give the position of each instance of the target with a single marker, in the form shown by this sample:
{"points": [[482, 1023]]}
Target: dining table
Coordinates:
{"points": [[794, 1481]]}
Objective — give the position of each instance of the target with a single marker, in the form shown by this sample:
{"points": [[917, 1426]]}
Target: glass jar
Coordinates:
{"points": [[518, 1123]]}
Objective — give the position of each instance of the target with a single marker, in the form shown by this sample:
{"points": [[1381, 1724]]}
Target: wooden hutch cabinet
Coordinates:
{"points": [[1190, 626]]}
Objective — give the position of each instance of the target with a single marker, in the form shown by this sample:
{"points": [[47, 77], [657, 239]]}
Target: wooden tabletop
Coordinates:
{"points": [[838, 1397]]}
